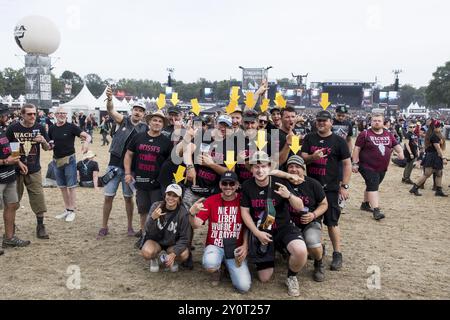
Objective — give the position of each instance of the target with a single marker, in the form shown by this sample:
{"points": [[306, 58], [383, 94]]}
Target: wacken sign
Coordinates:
{"points": [[38, 81], [252, 78]]}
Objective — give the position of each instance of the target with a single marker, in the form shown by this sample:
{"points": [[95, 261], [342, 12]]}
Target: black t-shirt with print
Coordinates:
{"points": [[7, 173], [413, 141], [326, 169], [86, 169], [149, 155], [312, 194], [255, 197], [343, 129], [64, 137], [30, 151]]}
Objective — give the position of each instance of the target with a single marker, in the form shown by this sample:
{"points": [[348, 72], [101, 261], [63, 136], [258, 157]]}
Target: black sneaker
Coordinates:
{"points": [[138, 234], [189, 263], [2, 252], [14, 242], [377, 215], [336, 264], [319, 272], [365, 206], [137, 244]]}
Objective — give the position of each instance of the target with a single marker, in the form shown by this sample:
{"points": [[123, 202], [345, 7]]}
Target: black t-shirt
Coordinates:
{"points": [[82, 120], [326, 170], [30, 151], [433, 139], [86, 169], [7, 173], [255, 197], [413, 141], [312, 194], [343, 129], [64, 137], [149, 155], [301, 130]]}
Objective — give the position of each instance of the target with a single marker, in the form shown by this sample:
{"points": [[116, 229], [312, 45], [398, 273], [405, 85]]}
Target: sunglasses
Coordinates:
{"points": [[411, 127], [322, 120], [263, 121], [61, 113], [30, 114], [228, 184]]}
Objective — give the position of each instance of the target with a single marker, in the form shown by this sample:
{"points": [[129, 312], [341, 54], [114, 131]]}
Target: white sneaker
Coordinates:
{"points": [[62, 215], [293, 287], [154, 265], [70, 216], [174, 267]]}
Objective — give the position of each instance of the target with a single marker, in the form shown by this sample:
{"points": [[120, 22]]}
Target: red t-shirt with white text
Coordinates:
{"points": [[376, 149]]}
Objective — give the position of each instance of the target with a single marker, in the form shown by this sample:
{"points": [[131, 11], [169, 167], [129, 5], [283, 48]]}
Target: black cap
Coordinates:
{"points": [[250, 115], [4, 109], [174, 109], [342, 108], [275, 108], [229, 176], [324, 115]]}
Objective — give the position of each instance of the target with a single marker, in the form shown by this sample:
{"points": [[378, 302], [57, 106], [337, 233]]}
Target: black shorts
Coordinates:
{"points": [[145, 199], [281, 238], [373, 179], [331, 216]]}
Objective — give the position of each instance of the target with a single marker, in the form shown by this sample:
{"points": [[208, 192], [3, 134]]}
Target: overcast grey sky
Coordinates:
{"points": [[332, 40]]}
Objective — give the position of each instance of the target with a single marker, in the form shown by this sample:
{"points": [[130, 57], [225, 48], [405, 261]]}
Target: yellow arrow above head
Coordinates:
{"points": [[174, 99], [265, 105], [179, 176], [295, 147], [280, 101], [325, 103], [231, 107], [230, 163], [161, 103], [196, 108], [250, 101], [235, 93], [261, 140]]}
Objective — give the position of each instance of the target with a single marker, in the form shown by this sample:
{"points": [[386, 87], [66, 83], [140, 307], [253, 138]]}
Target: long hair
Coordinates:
{"points": [[430, 132]]}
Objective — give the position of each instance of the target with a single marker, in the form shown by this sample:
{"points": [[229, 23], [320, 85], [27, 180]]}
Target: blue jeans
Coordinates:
{"points": [[66, 176], [240, 276], [111, 187]]}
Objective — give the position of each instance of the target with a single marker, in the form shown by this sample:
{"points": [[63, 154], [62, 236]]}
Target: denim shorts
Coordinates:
{"points": [[110, 189], [240, 277], [66, 176]]}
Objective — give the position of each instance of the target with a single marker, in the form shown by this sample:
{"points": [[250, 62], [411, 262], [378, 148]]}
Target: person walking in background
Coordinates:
{"points": [[411, 152], [105, 128]]}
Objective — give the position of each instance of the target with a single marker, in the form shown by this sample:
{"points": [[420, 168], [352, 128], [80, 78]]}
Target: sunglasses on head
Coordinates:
{"points": [[228, 184]]}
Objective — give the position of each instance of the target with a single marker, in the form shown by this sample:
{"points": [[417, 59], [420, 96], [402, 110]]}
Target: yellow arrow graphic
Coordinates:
{"points": [[231, 107], [179, 176], [325, 103], [230, 163], [295, 147], [174, 99], [196, 108], [265, 105], [250, 101], [261, 141], [161, 103], [235, 93], [279, 101]]}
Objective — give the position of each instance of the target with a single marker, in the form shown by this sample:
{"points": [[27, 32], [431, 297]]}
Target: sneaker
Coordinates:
{"points": [[319, 272], [215, 278], [365, 206], [62, 215], [154, 265], [138, 234], [189, 263], [174, 267], [377, 215], [336, 264], [293, 287], [102, 233], [14, 242], [71, 216], [131, 232], [137, 244], [41, 233]]}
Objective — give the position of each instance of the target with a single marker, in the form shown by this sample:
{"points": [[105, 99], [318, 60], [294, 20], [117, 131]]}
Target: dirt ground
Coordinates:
{"points": [[410, 247]]}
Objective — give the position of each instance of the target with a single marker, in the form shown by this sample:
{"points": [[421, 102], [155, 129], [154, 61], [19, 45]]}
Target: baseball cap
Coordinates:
{"points": [[296, 160], [225, 119], [174, 109], [342, 108], [4, 109], [175, 189], [275, 108], [237, 109], [250, 115], [323, 115], [229, 176], [260, 157], [139, 105]]}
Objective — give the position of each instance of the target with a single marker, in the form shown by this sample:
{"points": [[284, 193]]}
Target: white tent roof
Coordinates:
{"points": [[118, 105], [83, 101]]}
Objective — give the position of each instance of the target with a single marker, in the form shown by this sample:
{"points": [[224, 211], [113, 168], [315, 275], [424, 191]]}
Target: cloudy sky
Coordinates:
{"points": [[332, 40]]}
